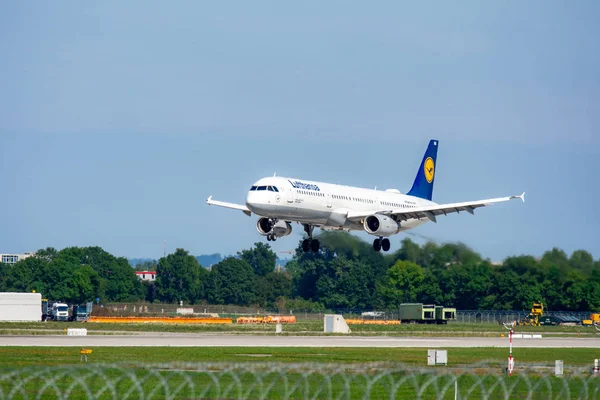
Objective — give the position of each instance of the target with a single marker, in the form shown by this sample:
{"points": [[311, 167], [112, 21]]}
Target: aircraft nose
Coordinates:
{"points": [[251, 200]]}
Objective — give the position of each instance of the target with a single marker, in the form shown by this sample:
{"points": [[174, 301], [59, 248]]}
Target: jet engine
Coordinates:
{"points": [[381, 225], [265, 226]]}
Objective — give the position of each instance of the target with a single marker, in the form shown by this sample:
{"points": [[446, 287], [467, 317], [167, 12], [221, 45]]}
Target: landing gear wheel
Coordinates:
{"points": [[314, 246], [385, 244], [377, 244], [269, 237], [309, 244], [305, 245]]}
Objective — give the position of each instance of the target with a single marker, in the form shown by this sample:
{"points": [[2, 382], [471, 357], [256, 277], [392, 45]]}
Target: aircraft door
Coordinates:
{"points": [[291, 198], [328, 200]]}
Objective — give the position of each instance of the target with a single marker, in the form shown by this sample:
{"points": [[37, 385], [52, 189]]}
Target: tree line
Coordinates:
{"points": [[345, 274]]}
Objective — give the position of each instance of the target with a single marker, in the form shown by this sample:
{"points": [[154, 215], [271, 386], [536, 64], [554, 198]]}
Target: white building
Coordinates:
{"points": [[14, 258], [146, 275]]}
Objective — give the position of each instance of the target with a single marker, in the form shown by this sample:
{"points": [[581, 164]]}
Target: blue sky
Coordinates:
{"points": [[118, 119]]}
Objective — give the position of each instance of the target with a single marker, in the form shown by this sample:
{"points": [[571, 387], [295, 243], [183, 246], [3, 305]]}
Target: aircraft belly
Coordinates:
{"points": [[411, 223], [291, 213]]}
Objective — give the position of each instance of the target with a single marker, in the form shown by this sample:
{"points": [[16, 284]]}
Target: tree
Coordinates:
{"points": [[84, 284], [268, 289], [345, 273], [24, 276], [582, 260], [346, 284], [261, 258], [305, 274], [279, 284], [46, 254], [58, 276], [431, 292], [468, 284], [409, 251], [179, 277], [231, 282], [123, 284], [403, 283], [118, 281]]}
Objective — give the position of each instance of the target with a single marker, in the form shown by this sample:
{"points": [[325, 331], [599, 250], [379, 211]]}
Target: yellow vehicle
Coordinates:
{"points": [[594, 320], [533, 319]]}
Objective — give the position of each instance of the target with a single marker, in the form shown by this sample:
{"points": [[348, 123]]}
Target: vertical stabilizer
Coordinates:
{"points": [[423, 185]]}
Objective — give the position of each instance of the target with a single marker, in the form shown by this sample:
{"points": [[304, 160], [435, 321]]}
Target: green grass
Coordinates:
{"points": [[329, 372], [299, 328], [255, 384], [30, 356], [30, 371]]}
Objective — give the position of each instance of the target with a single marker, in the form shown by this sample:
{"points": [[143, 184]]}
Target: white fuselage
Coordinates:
{"points": [[325, 205]]}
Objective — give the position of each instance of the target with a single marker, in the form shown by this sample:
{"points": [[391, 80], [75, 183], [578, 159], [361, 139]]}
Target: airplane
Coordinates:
{"points": [[279, 201]]}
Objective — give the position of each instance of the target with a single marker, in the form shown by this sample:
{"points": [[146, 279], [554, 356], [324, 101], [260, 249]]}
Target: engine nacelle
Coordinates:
{"points": [[381, 225], [265, 226]]}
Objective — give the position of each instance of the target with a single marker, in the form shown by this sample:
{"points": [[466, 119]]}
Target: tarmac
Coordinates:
{"points": [[228, 340]]}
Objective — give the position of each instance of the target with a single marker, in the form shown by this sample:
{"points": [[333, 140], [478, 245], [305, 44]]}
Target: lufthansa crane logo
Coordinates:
{"points": [[429, 169]]}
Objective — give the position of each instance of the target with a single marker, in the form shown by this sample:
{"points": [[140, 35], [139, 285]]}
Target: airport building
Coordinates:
{"points": [[14, 258]]}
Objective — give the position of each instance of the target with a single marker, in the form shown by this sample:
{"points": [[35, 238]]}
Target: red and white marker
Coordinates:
{"points": [[511, 360]]}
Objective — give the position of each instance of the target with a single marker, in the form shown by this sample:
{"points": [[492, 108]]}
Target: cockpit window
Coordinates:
{"points": [[275, 189], [253, 188], [262, 188]]}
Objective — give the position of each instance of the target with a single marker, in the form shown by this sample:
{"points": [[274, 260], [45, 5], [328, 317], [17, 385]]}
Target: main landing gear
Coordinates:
{"points": [[271, 237], [310, 243], [381, 244]]}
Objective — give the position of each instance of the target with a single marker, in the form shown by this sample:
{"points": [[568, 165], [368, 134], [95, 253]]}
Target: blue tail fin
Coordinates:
{"points": [[423, 185]]}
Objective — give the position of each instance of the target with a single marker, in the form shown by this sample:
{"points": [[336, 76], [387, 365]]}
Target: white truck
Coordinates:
{"points": [[60, 312]]}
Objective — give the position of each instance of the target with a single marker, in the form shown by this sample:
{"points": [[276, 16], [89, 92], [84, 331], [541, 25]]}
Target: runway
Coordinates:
{"points": [[228, 340]]}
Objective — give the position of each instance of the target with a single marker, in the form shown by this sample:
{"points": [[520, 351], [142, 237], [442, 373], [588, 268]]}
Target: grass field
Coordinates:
{"points": [[28, 356], [299, 328], [166, 372], [265, 382]]}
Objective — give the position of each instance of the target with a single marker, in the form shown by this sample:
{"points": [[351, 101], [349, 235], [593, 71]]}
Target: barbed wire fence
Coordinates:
{"points": [[485, 380]]}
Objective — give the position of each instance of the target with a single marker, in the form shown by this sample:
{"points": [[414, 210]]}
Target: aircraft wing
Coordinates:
{"points": [[431, 212], [234, 206]]}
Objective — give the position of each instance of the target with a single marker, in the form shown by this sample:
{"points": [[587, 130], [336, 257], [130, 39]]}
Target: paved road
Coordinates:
{"points": [[224, 340]]}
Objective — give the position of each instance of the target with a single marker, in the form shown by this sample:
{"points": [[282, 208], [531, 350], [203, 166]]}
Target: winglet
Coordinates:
{"points": [[522, 197], [209, 199]]}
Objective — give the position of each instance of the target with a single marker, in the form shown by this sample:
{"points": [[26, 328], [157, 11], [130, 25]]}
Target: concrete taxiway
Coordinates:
{"points": [[225, 340]]}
